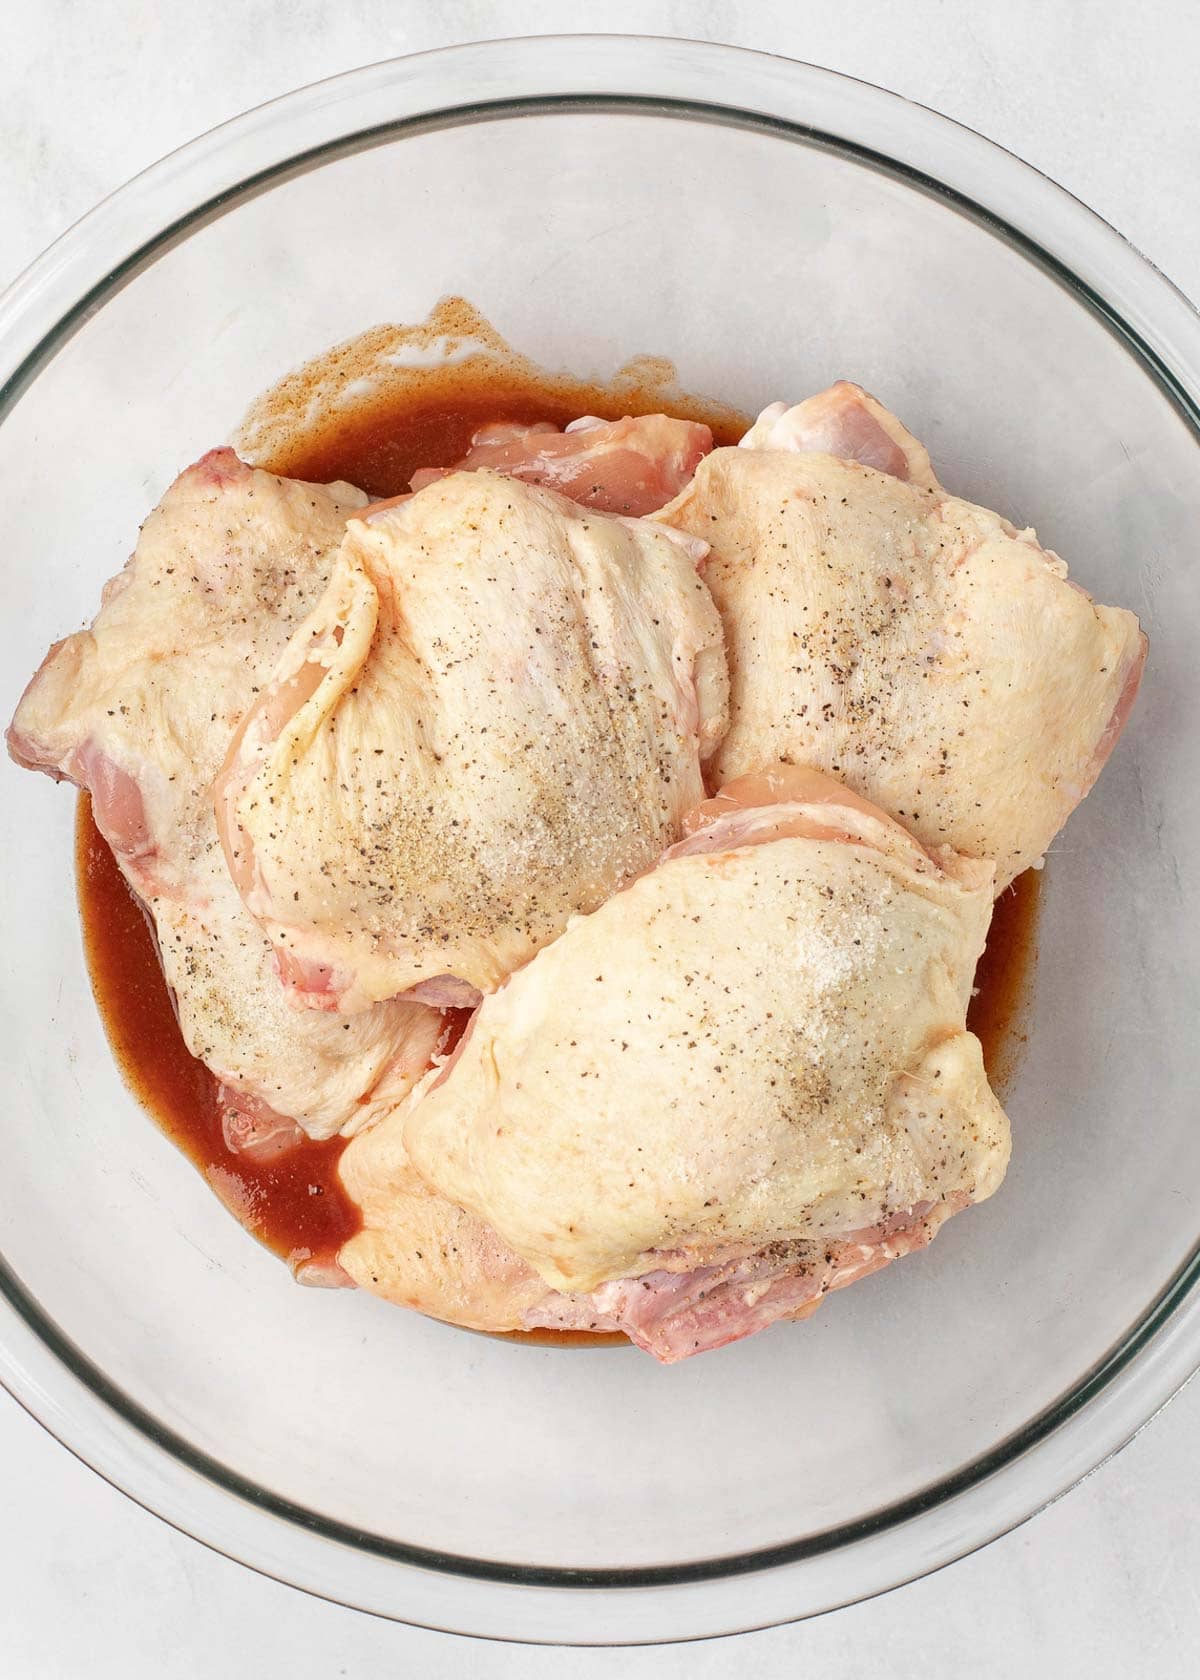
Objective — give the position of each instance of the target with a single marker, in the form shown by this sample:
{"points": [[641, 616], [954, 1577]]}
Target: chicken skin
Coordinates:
{"points": [[494, 717], [919, 647], [743, 1081], [140, 710]]}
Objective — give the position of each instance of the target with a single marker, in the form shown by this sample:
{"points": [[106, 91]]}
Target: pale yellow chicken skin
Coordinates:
{"points": [[495, 716], [419, 1250], [915, 645], [140, 709], [760, 1040]]}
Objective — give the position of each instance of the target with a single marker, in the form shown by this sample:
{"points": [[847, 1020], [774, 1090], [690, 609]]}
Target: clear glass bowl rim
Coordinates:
{"points": [[671, 77]]}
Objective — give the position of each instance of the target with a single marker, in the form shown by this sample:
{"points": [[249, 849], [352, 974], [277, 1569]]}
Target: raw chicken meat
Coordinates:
{"points": [[916, 645], [494, 717], [629, 466], [687, 1146], [674, 1314], [140, 709], [850, 423]]}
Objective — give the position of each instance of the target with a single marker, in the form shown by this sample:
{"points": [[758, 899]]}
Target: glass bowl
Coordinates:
{"points": [[769, 227]]}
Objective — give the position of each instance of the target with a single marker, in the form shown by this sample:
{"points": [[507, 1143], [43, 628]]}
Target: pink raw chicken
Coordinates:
{"points": [[850, 423], [630, 466], [140, 710], [688, 1151]]}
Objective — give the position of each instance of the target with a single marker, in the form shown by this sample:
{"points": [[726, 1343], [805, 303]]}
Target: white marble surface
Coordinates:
{"points": [[1102, 97]]}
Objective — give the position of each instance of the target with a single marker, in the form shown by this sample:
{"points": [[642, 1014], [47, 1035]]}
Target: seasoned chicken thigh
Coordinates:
{"points": [[744, 1081], [916, 645], [140, 710], [494, 717]]}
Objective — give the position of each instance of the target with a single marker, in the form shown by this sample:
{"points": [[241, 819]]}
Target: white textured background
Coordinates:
{"points": [[1101, 95]]}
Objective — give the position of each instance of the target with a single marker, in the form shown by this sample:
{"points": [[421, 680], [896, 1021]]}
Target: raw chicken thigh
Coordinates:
{"points": [[629, 466], [742, 1082], [140, 709], [918, 646], [495, 716]]}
